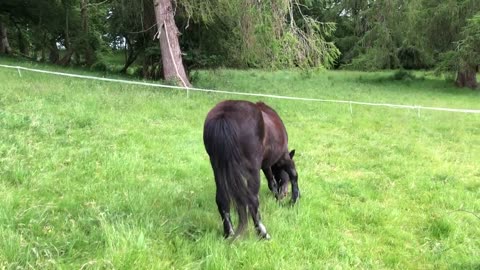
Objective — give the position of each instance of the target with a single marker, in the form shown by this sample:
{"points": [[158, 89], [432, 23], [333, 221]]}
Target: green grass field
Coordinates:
{"points": [[99, 175]]}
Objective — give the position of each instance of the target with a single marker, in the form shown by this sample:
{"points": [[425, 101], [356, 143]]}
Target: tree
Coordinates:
{"points": [[468, 54], [381, 29], [129, 29], [460, 55], [86, 44], [132, 25], [173, 68], [252, 33], [4, 44]]}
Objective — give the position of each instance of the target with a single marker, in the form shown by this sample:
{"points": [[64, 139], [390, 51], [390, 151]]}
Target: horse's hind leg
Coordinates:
{"points": [[254, 186], [261, 230], [223, 203]]}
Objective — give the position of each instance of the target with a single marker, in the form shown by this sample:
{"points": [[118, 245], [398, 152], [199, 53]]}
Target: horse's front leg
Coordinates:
{"points": [[292, 173], [272, 184]]}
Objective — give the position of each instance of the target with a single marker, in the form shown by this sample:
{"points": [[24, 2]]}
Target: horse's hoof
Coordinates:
{"points": [[295, 197], [265, 237], [262, 231], [294, 201], [229, 235]]}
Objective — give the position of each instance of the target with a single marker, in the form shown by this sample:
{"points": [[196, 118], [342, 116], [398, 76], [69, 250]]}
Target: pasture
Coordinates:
{"points": [[100, 175]]}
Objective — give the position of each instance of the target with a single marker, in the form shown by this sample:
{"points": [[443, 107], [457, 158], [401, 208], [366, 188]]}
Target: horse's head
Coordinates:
{"points": [[284, 172], [282, 179]]}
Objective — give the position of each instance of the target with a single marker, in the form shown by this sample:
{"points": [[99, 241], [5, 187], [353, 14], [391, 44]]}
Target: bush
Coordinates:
{"points": [[411, 57], [374, 59], [403, 74], [100, 65], [136, 72]]}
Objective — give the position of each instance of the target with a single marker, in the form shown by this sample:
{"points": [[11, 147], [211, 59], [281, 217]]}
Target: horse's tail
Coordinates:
{"points": [[222, 143]]}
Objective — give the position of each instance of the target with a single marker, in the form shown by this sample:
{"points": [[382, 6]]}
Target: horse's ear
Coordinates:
{"points": [[292, 153]]}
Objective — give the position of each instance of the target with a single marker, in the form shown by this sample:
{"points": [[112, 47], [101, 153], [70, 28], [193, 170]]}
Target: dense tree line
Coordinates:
{"points": [[354, 34]]}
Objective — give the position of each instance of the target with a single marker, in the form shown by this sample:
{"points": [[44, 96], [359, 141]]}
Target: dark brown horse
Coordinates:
{"points": [[241, 138]]}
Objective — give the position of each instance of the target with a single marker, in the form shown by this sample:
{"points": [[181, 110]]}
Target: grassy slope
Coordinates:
{"points": [[104, 175]]}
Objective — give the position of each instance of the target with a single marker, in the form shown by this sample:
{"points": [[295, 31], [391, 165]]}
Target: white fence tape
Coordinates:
{"points": [[414, 107]]}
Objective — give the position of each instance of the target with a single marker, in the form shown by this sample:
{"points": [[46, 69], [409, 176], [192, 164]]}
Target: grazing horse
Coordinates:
{"points": [[241, 138]]}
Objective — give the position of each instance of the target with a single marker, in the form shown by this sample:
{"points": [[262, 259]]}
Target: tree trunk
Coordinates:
{"points": [[173, 68], [89, 55], [67, 30], [467, 77], [4, 45], [130, 55]]}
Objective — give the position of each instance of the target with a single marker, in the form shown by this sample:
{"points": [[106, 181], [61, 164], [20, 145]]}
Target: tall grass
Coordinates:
{"points": [[98, 175]]}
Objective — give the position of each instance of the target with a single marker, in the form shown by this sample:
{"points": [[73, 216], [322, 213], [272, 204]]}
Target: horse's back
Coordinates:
{"points": [[232, 109]]}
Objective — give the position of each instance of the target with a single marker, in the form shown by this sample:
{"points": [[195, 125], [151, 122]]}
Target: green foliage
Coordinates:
{"points": [[374, 59], [199, 60], [393, 33], [437, 27], [44, 24], [466, 56], [373, 34], [449, 63], [275, 37], [101, 64], [468, 47], [101, 175], [410, 57], [403, 74], [355, 34]]}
